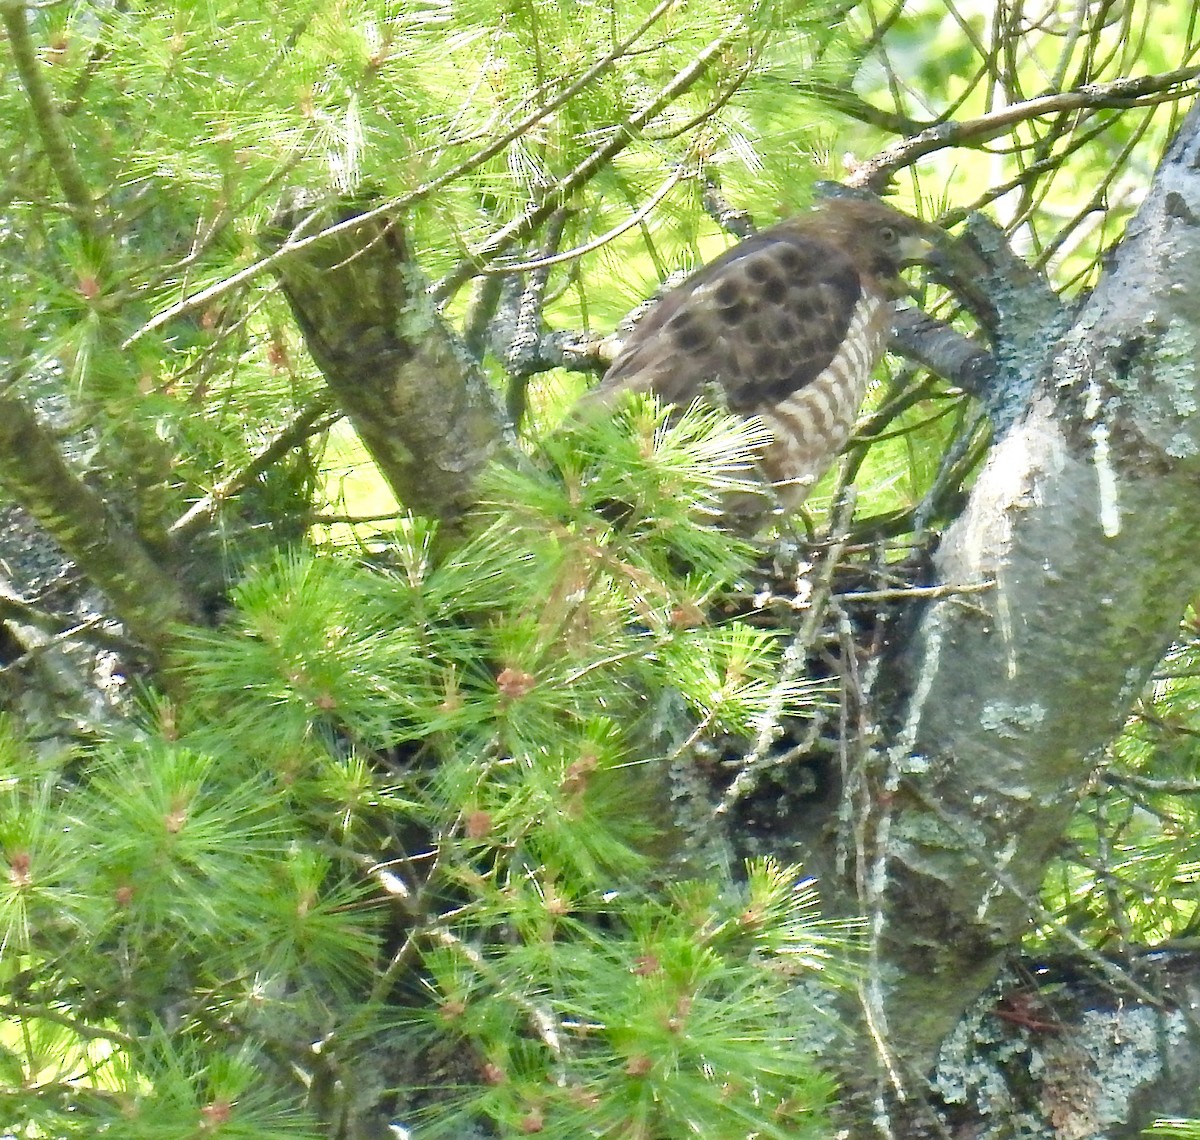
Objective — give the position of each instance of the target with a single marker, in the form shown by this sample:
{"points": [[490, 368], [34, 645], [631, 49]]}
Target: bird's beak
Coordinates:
{"points": [[916, 250]]}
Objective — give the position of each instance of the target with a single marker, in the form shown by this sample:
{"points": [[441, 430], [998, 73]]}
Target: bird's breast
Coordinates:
{"points": [[811, 425]]}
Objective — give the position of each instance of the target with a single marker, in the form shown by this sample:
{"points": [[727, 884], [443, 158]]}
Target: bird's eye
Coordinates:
{"points": [[887, 235]]}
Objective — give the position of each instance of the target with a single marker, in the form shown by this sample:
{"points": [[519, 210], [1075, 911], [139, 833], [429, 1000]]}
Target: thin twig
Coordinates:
{"points": [[310, 421], [1146, 784], [294, 243], [590, 246]]}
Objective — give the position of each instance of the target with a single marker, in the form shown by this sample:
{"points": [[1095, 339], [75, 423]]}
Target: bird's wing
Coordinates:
{"points": [[760, 323]]}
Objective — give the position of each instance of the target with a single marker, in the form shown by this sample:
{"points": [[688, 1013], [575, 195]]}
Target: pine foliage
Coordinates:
{"points": [[407, 803]]}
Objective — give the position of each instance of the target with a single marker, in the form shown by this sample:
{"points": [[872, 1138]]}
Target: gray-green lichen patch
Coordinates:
{"points": [[418, 315], [1182, 446], [927, 831], [1011, 721], [973, 1060], [1079, 1081], [1128, 1047], [1176, 362], [1175, 356]]}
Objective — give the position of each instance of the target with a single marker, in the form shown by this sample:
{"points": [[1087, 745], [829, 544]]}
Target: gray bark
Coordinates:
{"points": [[1085, 519]]}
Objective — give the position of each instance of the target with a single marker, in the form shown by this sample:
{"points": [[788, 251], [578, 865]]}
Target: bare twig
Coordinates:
{"points": [[904, 593], [1124, 93], [1145, 784], [545, 200], [310, 421]]}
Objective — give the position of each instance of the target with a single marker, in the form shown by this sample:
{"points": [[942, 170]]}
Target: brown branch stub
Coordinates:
{"points": [[416, 398]]}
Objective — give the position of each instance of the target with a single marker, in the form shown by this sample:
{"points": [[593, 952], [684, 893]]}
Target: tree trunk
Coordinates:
{"points": [[1085, 519]]}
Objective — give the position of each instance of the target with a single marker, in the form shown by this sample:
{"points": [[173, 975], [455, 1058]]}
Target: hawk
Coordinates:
{"points": [[786, 326]]}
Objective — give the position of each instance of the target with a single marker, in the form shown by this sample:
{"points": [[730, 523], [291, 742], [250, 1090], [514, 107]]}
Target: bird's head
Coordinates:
{"points": [[880, 239]]}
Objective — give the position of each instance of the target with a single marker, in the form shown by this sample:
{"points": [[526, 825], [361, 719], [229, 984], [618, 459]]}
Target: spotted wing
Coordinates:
{"points": [[761, 322]]}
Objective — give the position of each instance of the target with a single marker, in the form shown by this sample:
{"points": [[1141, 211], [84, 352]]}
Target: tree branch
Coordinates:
{"points": [[415, 396], [1145, 90], [943, 350], [146, 599]]}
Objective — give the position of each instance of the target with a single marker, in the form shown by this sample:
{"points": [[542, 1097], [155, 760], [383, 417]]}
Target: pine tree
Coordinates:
{"points": [[317, 826], [399, 817]]}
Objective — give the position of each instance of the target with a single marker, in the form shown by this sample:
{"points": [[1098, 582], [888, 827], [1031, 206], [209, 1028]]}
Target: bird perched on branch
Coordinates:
{"points": [[786, 326]]}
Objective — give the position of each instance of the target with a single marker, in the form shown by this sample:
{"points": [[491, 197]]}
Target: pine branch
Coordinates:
{"points": [[48, 122], [546, 200], [310, 421], [145, 598], [298, 242], [414, 394]]}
